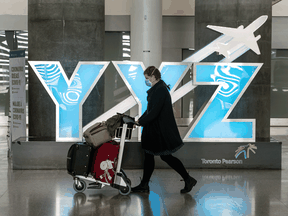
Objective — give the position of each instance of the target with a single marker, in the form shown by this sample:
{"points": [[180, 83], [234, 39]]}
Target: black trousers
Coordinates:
{"points": [[173, 162]]}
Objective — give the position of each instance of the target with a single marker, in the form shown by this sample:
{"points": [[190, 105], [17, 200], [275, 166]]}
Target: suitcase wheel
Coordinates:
{"points": [[125, 190], [80, 187]]}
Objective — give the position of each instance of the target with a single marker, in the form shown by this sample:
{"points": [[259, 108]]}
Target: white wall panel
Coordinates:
{"points": [[14, 7], [13, 15], [169, 7], [178, 8], [13, 22], [118, 7], [279, 33], [280, 9]]}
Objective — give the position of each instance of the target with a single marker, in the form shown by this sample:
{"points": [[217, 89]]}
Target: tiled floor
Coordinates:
{"points": [[218, 192]]}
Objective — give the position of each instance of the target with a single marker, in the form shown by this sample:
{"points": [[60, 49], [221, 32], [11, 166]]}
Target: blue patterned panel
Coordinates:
{"points": [[233, 80], [69, 94], [134, 75]]}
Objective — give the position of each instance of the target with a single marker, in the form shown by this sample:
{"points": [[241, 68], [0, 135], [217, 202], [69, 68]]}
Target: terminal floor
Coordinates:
{"points": [[218, 192]]}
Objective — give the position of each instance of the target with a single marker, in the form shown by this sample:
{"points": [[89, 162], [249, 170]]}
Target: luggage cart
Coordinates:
{"points": [[121, 180]]}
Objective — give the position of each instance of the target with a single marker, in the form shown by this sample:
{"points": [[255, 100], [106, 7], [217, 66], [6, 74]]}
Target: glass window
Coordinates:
{"points": [[117, 48], [279, 84]]}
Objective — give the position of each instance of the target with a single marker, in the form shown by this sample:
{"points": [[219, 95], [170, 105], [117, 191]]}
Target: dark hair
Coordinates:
{"points": [[152, 70]]}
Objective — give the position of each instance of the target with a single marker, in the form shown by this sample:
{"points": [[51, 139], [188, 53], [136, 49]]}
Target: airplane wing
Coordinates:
{"points": [[225, 30], [239, 35], [251, 42]]}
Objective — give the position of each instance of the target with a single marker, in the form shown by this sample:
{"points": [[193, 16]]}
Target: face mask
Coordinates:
{"points": [[148, 83]]}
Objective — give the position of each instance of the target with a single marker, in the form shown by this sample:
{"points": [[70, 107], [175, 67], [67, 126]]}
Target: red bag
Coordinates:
{"points": [[105, 162]]}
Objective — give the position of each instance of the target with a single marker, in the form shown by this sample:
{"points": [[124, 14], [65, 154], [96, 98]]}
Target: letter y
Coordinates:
{"points": [[68, 94]]}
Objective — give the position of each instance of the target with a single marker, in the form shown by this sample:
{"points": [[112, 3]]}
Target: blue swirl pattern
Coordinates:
{"points": [[230, 81], [233, 79], [52, 76], [69, 97]]}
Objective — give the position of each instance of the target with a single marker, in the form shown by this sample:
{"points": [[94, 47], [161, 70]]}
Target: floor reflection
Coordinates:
{"points": [[100, 204], [218, 192], [134, 204], [210, 198], [222, 199]]}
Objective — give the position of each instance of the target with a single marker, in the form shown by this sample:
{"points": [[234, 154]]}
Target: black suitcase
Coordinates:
{"points": [[79, 159]]}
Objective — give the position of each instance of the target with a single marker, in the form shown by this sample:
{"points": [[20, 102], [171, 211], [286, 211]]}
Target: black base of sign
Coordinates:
{"points": [[194, 155]]}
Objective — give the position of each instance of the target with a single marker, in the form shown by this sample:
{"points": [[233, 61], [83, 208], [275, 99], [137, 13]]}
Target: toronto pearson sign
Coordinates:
{"points": [[210, 124]]}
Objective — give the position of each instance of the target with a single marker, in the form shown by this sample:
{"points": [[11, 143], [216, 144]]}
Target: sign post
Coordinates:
{"points": [[17, 94]]}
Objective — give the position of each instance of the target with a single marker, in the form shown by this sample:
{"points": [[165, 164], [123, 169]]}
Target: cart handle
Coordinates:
{"points": [[128, 119]]}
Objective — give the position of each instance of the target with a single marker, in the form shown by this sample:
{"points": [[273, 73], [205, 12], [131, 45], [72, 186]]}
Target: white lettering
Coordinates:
{"points": [[204, 161], [232, 161], [224, 161]]}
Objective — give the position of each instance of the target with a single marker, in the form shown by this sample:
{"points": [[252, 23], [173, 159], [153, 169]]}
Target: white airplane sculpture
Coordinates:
{"points": [[240, 37]]}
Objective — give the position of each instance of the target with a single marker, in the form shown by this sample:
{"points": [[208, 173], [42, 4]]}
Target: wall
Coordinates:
{"points": [[13, 15], [279, 32], [280, 9], [169, 7], [178, 33], [123, 7], [14, 7], [116, 7]]}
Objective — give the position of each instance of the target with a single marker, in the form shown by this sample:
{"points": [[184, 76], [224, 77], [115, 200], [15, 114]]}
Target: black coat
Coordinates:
{"points": [[160, 135]]}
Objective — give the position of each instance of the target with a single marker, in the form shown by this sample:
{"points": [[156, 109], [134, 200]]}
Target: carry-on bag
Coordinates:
{"points": [[79, 159], [97, 134], [130, 125], [104, 163]]}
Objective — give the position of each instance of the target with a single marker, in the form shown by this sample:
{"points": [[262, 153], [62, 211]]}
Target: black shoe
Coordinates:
{"points": [[142, 187], [189, 183]]}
